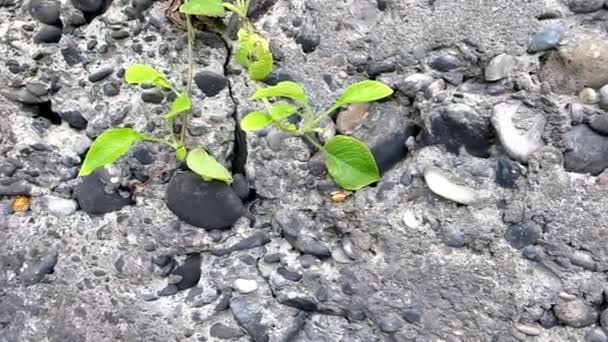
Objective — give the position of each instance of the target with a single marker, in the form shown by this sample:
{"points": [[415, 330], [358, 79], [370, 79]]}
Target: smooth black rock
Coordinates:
{"points": [[587, 151], [377, 68], [120, 34], [458, 125], [308, 39], [142, 154], [190, 272], [289, 275], [302, 303], [208, 205], [445, 63], [48, 34], [19, 188], [391, 149], [272, 258], [154, 95], [309, 245], [45, 11], [257, 239], [249, 316], [75, 119], [224, 332], [36, 272], [93, 199], [111, 89], [240, 186], [89, 6], [505, 174], [210, 83], [277, 76], [520, 236], [101, 74]]}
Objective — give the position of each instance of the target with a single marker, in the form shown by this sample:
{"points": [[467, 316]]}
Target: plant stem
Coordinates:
{"points": [[184, 115], [314, 142], [161, 141]]}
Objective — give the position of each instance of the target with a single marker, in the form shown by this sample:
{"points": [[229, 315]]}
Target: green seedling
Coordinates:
{"points": [[114, 143]]}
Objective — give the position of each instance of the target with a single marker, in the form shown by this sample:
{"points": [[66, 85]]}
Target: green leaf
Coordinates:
{"points": [[108, 147], [180, 105], [181, 152], [282, 110], [350, 162], [255, 121], [253, 53], [207, 167], [232, 8], [286, 89], [208, 8], [141, 73], [364, 91]]}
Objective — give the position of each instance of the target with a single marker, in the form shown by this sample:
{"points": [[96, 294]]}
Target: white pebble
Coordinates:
{"points": [[518, 145], [442, 186], [245, 286]]}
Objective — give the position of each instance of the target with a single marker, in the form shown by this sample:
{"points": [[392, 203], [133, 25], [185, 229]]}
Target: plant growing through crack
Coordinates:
{"points": [[349, 161], [114, 143]]}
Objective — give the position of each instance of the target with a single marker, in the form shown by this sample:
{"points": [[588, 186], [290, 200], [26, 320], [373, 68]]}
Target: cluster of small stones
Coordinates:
{"points": [[488, 224]]}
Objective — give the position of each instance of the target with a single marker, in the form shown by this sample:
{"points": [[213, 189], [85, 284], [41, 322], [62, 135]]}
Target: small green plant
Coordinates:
{"points": [[349, 161], [114, 143]]}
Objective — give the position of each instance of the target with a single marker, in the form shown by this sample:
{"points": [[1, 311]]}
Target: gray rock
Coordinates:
{"points": [[547, 38], [445, 62], [93, 199], [587, 151], [548, 319], [154, 95], [20, 188], [208, 205], [48, 34], [45, 11], [60, 207], [596, 335], [36, 271], [452, 236], [390, 323], [289, 275], [249, 316], [520, 236], [309, 245], [101, 73], [585, 6], [533, 253], [88, 6], [582, 259], [75, 119], [501, 66], [224, 332], [576, 313], [603, 97], [604, 320], [414, 84]]}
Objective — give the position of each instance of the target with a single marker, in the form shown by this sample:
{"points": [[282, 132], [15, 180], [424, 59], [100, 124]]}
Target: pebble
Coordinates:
{"points": [[245, 286], [89, 6], [60, 207], [120, 34], [289, 275], [277, 76], [94, 200], [249, 316], [48, 34], [210, 83], [351, 118], [530, 330], [224, 332], [575, 313], [547, 38], [391, 149], [309, 245], [169, 290], [101, 73], [412, 314], [390, 323], [190, 272], [596, 335], [519, 146], [272, 258], [154, 95], [443, 187], [582, 259], [520, 236], [452, 236], [548, 319], [75, 119], [588, 96], [505, 173], [111, 89], [587, 151], [45, 11], [500, 67], [445, 62], [209, 205], [257, 239], [308, 39], [585, 6], [415, 83], [19, 188], [307, 260], [36, 271], [71, 54], [603, 97]]}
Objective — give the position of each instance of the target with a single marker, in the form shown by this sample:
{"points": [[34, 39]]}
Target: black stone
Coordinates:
{"points": [[382, 4], [520, 236], [93, 199], [377, 68], [89, 6], [101, 74], [277, 76], [71, 55], [308, 39], [75, 119], [412, 314], [240, 186], [224, 302], [302, 303], [391, 150], [257, 239], [249, 316], [111, 89], [154, 95], [120, 34], [20, 188], [505, 174], [445, 63], [289, 275], [142, 154], [169, 290], [45, 11], [190, 272], [209, 205], [36, 272], [210, 83], [587, 151], [272, 258], [224, 332], [48, 34], [309, 245]]}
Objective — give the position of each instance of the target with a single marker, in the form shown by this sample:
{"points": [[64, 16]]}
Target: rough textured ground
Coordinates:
{"points": [[491, 94]]}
